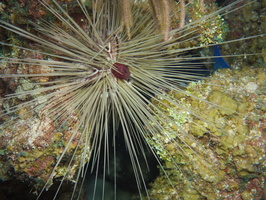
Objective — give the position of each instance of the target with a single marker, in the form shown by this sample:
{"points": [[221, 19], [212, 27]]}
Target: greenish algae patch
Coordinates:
{"points": [[219, 152]]}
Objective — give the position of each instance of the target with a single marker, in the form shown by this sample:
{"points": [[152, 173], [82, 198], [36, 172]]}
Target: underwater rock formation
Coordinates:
{"points": [[221, 153]]}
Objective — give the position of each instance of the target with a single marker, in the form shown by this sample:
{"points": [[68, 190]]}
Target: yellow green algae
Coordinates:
{"points": [[210, 31], [220, 152]]}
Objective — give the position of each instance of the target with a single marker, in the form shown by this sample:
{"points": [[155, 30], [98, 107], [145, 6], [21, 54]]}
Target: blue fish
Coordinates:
{"points": [[219, 62]]}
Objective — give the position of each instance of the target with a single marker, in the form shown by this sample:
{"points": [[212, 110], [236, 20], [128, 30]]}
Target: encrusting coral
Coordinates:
{"points": [[224, 159]]}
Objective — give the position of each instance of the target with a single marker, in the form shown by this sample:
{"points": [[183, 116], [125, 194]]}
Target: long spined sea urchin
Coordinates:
{"points": [[100, 71]]}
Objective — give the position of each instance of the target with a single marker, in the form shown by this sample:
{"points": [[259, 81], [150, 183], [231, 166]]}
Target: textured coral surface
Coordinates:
{"points": [[224, 159]]}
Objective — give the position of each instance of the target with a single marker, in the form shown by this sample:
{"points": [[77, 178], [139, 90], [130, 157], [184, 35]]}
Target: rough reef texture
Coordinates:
{"points": [[208, 31], [31, 142], [242, 23], [221, 153], [31, 147], [21, 13]]}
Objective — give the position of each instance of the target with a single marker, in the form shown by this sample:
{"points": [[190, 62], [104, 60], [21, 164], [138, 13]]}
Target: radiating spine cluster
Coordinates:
{"points": [[101, 72]]}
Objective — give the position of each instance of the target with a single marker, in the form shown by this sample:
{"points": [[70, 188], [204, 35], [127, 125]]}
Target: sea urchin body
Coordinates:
{"points": [[91, 73]]}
